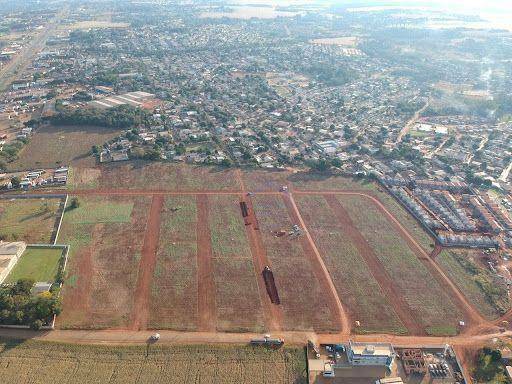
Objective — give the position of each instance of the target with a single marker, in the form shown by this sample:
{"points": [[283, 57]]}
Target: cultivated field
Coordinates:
{"points": [[305, 302], [475, 282], [429, 302], [173, 298], [156, 176], [52, 146], [29, 220], [42, 362], [39, 264], [342, 251], [237, 298], [106, 235]]}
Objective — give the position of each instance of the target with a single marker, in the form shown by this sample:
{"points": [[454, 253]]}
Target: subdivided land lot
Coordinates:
{"points": [[43, 362], [53, 146], [106, 236], [430, 303], [29, 220], [154, 176]]}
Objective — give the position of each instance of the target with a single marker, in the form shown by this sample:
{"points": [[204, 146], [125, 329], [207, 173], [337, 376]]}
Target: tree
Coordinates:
{"points": [[36, 325], [15, 182], [74, 203]]}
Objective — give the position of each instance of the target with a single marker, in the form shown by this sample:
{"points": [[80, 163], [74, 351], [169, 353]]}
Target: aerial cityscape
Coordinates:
{"points": [[278, 191]]}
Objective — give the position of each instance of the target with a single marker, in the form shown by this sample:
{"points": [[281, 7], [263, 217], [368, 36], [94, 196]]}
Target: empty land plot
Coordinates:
{"points": [[326, 181], [28, 220], [104, 259], [43, 362], [173, 303], [302, 299], [237, 296], [353, 279], [430, 303], [477, 284], [265, 180], [52, 146], [37, 263], [156, 176]]}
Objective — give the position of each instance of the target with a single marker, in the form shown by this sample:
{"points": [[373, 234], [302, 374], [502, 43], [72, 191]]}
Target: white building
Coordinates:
{"points": [[370, 353]]}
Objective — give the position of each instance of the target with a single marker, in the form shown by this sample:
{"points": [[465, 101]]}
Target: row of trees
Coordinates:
{"points": [[123, 116], [19, 307]]}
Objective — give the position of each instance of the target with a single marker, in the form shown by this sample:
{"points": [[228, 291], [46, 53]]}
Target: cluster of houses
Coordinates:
{"points": [[37, 178], [454, 213]]}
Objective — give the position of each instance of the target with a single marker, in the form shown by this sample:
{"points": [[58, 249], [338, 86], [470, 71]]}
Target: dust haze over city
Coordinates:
{"points": [[255, 191]]}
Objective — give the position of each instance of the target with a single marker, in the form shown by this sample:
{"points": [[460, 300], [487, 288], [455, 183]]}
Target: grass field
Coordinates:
{"points": [[52, 146], [42, 362], [173, 302], [429, 302], [154, 175], [237, 296], [40, 264], [355, 284], [29, 220], [104, 259], [407, 220], [476, 283], [297, 285]]}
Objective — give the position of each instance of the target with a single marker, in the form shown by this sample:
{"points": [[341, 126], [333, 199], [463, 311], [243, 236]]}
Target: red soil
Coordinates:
{"points": [[273, 314]]}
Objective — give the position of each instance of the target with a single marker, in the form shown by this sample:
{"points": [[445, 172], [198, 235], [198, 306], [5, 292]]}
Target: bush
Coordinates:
{"points": [[74, 203]]}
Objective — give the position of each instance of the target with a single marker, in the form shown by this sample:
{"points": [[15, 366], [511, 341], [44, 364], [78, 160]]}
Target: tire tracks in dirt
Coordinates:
{"points": [[206, 305], [390, 290], [140, 312], [320, 270], [272, 312]]}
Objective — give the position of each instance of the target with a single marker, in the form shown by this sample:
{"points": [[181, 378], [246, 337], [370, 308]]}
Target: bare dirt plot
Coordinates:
{"points": [[344, 41], [272, 311], [140, 311], [430, 303], [157, 176], [265, 180], [206, 304], [29, 220], [357, 287], [237, 296], [104, 260], [326, 181], [477, 284], [174, 298], [52, 146], [39, 362], [302, 298]]}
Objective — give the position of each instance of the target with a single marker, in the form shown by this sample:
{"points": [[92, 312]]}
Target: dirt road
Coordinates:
{"points": [[389, 288], [140, 312], [320, 269]]}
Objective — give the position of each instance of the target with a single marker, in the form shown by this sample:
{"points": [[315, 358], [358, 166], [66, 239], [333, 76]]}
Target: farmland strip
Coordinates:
{"points": [[319, 268], [389, 289], [273, 314], [140, 314], [206, 284]]}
